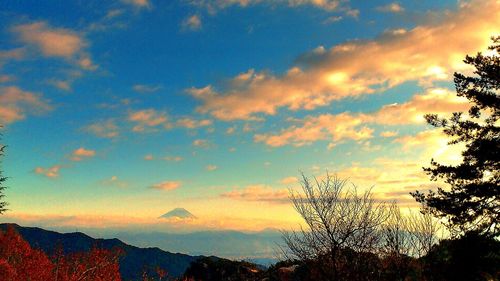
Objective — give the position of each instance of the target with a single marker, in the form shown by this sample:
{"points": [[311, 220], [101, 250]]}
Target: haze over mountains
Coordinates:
{"points": [[260, 247]]}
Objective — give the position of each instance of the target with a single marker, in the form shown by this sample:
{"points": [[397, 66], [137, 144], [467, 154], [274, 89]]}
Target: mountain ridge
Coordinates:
{"points": [[135, 261]]}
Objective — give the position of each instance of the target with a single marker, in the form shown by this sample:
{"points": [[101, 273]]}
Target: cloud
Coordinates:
{"points": [[13, 54], [211, 168], [328, 5], [103, 129], [349, 126], [191, 123], [192, 23], [16, 103], [391, 8], [289, 180], [173, 158], [259, 193], [141, 4], [143, 89], [82, 153], [338, 128], [231, 130], [213, 5], [115, 181], [435, 138], [388, 134], [6, 78], [167, 185], [61, 84], [148, 120], [51, 172], [332, 19], [357, 68], [149, 157], [201, 143], [55, 42]]}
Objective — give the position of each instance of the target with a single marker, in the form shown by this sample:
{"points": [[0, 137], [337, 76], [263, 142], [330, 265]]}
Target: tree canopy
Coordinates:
{"points": [[472, 202]]}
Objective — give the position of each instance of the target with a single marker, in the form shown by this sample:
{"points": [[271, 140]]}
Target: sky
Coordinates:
{"points": [[116, 112]]}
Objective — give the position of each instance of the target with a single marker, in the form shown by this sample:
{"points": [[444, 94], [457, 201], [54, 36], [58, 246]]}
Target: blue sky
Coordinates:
{"points": [[115, 112]]}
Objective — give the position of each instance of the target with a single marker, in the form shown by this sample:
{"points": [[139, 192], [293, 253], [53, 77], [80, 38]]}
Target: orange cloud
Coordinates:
{"points": [[201, 143], [167, 185], [15, 103], [103, 129], [143, 89], [55, 42], [172, 158], [148, 120], [356, 68], [391, 8], [192, 23], [211, 168], [213, 5], [115, 181], [81, 153], [260, 193], [51, 172], [347, 126], [289, 180], [192, 123], [388, 134], [338, 128], [139, 3]]}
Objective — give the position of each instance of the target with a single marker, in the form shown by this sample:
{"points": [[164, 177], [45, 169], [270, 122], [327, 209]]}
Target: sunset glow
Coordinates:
{"points": [[116, 112]]}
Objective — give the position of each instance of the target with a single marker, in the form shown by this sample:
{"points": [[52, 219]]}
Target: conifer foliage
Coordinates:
{"points": [[472, 203]]}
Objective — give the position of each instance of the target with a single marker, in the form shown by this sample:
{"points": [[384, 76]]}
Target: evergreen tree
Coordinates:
{"points": [[472, 203]]}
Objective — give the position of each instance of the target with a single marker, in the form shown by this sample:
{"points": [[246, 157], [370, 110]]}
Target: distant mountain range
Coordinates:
{"points": [[260, 247], [132, 265]]}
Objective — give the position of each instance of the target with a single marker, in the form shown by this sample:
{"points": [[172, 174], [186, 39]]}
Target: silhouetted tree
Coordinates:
{"points": [[472, 257], [3, 204], [473, 201], [342, 229]]}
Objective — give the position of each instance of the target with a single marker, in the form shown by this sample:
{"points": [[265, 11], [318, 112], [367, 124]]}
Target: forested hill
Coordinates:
{"points": [[133, 263]]}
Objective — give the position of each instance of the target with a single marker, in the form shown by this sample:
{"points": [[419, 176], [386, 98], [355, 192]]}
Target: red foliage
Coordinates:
{"points": [[18, 261]]}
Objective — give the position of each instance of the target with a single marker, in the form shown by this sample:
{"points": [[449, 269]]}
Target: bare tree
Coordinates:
{"points": [[405, 237], [423, 228], [3, 204], [342, 227]]}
